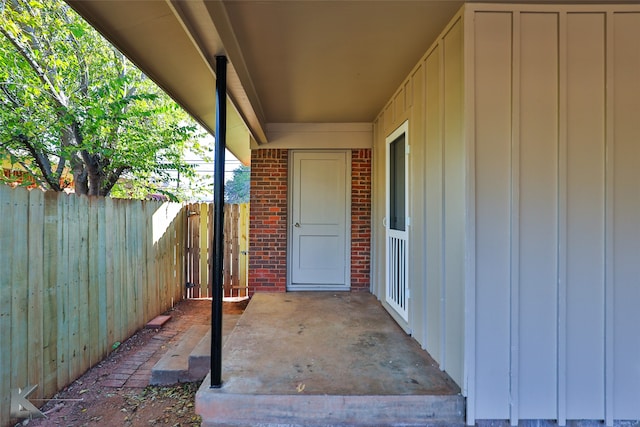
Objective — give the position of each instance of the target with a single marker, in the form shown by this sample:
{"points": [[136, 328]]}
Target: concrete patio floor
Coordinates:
{"points": [[326, 358]]}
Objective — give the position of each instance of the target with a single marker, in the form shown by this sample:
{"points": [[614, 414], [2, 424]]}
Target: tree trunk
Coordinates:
{"points": [[80, 178]]}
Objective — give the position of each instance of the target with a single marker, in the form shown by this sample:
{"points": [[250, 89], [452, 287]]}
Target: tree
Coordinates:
{"points": [[236, 190], [71, 103]]}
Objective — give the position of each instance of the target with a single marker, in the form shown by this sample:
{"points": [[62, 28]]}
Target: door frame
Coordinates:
{"points": [[395, 298], [290, 191]]}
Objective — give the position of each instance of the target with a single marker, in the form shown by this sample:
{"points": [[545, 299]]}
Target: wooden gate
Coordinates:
{"points": [[199, 249]]}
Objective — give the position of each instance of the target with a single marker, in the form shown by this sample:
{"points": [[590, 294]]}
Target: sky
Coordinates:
{"points": [[204, 169]]}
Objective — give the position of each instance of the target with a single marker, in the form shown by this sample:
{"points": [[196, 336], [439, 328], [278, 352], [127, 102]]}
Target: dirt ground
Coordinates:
{"points": [[91, 401]]}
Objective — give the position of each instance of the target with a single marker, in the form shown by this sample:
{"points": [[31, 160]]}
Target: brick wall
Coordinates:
{"points": [[268, 220], [360, 219]]}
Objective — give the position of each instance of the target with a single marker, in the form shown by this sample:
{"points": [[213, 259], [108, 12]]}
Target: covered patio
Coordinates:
{"points": [[326, 358], [473, 165]]}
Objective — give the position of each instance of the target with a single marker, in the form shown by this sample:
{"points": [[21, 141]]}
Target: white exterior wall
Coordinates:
{"points": [[554, 93], [432, 100], [525, 206]]}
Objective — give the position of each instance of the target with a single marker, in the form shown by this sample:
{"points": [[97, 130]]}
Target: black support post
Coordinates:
{"points": [[218, 221]]}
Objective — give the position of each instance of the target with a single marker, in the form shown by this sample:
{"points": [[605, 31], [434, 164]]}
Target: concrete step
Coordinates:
{"points": [[218, 407], [173, 367], [200, 358]]}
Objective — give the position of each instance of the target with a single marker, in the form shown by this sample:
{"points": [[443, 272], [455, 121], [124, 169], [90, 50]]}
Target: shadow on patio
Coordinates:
{"points": [[326, 359]]}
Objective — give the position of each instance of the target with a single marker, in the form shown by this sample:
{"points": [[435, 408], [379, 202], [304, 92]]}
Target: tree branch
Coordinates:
{"points": [[9, 95], [24, 52], [82, 63], [111, 180], [27, 168], [42, 161]]}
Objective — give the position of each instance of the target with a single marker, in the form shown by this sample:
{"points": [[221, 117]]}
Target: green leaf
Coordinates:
{"points": [[76, 29], [94, 101]]}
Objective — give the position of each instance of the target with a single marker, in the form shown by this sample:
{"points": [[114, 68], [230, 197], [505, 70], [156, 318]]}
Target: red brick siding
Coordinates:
{"points": [[360, 219], [268, 221]]}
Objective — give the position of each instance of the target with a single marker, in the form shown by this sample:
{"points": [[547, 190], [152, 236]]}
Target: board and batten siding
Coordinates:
{"points": [[432, 101], [524, 164], [555, 96]]}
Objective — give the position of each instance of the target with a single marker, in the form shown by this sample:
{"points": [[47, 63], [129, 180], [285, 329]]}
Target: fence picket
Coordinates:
{"points": [[93, 296], [243, 249], [83, 273], [235, 245], [19, 307], [73, 286], [62, 299], [6, 233], [199, 239], [211, 235], [203, 244], [84, 336], [101, 283], [110, 222], [49, 383], [36, 281]]}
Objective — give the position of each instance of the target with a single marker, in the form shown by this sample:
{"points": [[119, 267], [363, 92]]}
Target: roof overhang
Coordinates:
{"points": [[298, 61], [175, 43]]}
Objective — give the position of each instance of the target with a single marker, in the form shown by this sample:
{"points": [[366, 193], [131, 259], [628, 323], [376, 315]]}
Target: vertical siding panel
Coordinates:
{"points": [[585, 214], [388, 121], [514, 287], [36, 282], [492, 146], [562, 220], [469, 386], [399, 105], [609, 372], [377, 229], [417, 301], [454, 223], [538, 142], [434, 203], [626, 214]]}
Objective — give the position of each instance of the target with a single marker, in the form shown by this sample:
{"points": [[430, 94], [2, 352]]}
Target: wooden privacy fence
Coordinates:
{"points": [[199, 249], [77, 276]]}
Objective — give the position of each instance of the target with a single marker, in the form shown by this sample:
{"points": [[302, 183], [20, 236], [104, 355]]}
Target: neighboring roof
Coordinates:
{"points": [[302, 61]]}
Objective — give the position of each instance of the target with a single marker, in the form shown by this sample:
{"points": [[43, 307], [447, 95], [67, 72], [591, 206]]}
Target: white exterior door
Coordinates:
{"points": [[397, 222], [319, 221]]}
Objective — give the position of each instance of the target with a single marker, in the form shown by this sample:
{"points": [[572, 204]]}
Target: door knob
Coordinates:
{"points": [[297, 224]]}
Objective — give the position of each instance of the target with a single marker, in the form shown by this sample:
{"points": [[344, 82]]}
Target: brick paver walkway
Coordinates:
{"points": [[135, 369]]}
